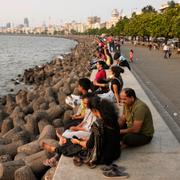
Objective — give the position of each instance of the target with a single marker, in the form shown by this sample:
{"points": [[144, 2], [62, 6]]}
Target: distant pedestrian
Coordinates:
{"points": [[166, 50], [150, 46], [131, 55], [169, 53]]}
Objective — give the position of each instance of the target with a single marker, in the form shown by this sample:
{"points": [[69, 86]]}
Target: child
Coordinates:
{"points": [[131, 55]]}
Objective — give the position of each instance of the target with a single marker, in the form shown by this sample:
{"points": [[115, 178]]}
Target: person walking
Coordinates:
{"points": [[166, 50]]}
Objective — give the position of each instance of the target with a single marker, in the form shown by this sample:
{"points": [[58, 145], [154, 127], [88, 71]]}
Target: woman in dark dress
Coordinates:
{"points": [[104, 143]]}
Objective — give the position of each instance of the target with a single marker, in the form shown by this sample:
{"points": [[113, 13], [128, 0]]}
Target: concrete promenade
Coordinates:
{"points": [[159, 160]]}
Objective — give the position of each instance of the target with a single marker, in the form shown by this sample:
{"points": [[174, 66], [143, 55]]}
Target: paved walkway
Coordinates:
{"points": [[160, 160]]}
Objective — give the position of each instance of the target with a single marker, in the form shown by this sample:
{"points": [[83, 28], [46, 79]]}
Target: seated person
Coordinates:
{"points": [[101, 74], [84, 85], [121, 60], [116, 81], [83, 129], [109, 59], [115, 84], [104, 142], [136, 124]]}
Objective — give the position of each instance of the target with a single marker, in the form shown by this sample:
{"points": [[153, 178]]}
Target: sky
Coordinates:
{"points": [[61, 11]]}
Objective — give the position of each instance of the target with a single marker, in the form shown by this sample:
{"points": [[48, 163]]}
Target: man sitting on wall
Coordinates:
{"points": [[136, 124]]}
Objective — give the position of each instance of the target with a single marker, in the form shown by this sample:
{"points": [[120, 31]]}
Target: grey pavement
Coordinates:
{"points": [[159, 160]]}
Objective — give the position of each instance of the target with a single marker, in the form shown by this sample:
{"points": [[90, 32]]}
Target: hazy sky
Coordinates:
{"points": [[60, 11]]}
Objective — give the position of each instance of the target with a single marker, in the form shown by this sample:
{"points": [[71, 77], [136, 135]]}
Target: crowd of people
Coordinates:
{"points": [[97, 133]]}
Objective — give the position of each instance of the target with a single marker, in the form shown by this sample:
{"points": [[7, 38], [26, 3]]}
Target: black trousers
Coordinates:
{"points": [[135, 139], [125, 64]]}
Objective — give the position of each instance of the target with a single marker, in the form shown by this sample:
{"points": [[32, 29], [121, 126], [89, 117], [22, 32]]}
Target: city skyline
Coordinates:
{"points": [[60, 11]]}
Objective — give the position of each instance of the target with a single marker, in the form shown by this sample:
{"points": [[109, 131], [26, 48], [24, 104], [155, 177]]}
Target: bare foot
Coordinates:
{"points": [[62, 141], [48, 147]]}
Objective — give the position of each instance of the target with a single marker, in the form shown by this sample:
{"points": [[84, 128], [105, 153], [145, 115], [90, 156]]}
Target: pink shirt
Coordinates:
{"points": [[131, 55], [101, 74]]}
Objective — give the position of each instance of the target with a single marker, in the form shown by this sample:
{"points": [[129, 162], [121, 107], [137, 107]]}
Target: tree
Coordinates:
{"points": [[169, 18], [176, 24], [119, 28], [148, 9]]}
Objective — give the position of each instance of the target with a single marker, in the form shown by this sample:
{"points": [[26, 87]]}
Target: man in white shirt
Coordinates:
{"points": [[166, 50]]}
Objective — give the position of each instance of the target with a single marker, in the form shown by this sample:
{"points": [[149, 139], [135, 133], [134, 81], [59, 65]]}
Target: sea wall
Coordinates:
{"points": [[31, 115]]}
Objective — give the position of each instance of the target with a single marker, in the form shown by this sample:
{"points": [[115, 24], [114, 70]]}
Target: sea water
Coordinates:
{"points": [[18, 53]]}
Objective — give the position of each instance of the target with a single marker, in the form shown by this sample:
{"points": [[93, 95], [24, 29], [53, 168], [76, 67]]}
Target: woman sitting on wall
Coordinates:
{"points": [[104, 142]]}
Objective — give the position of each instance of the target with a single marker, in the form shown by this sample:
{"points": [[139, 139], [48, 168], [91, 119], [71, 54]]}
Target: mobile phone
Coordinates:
{"points": [[75, 137]]}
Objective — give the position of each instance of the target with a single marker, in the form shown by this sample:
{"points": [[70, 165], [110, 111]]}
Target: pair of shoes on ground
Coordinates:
{"points": [[115, 171]]}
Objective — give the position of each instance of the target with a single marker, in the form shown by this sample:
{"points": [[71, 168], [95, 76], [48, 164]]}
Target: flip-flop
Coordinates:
{"points": [[77, 161], [116, 174], [113, 166]]}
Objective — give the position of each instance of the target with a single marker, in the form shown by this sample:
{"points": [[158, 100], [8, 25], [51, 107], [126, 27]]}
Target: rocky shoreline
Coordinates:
{"points": [[30, 117]]}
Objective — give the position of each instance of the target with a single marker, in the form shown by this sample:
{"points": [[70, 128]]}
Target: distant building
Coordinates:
{"points": [[92, 21], [26, 22], [115, 16], [8, 25]]}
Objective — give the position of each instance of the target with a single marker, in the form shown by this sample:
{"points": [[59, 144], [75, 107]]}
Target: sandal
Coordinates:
{"points": [[116, 173], [77, 161], [113, 166]]}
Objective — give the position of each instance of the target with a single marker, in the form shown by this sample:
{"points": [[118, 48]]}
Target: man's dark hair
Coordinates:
{"points": [[85, 83], [117, 55], [101, 63], [130, 92]]}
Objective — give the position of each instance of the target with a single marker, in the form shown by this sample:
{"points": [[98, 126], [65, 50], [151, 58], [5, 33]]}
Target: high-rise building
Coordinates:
{"points": [[26, 22], [93, 20], [114, 16]]}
